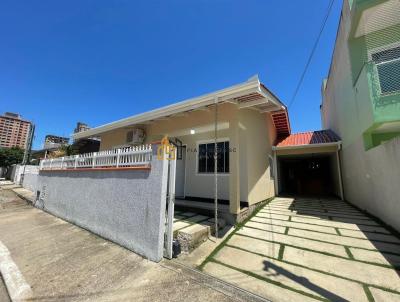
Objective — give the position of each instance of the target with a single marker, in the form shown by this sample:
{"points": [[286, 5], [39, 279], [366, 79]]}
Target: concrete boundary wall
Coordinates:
{"points": [[126, 207], [13, 173], [30, 177], [371, 179]]}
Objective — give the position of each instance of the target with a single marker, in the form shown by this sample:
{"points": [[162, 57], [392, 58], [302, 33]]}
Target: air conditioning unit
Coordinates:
{"points": [[135, 136]]}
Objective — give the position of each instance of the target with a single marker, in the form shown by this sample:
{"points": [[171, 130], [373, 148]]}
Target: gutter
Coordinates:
{"points": [[337, 144]]}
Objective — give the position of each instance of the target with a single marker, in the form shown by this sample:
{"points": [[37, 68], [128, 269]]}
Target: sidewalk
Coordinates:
{"points": [[62, 262]]}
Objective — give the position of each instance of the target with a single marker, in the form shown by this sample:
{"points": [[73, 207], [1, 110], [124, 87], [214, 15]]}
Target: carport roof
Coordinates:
{"points": [[308, 138]]}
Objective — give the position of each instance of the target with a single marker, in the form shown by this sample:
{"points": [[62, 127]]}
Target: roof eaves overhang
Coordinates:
{"points": [[293, 147], [229, 94]]}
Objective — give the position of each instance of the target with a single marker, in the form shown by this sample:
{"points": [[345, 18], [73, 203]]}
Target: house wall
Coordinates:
{"points": [[250, 134], [257, 134], [124, 206], [203, 123], [196, 182], [370, 177]]}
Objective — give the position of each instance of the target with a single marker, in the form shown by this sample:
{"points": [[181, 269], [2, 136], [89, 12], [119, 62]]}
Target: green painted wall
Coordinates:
{"points": [[353, 105]]}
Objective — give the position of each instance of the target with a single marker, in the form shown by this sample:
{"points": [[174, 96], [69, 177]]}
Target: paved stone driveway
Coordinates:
{"points": [[308, 250]]}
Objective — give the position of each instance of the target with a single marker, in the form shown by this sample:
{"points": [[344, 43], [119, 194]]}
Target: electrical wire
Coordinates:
{"points": [[312, 52]]}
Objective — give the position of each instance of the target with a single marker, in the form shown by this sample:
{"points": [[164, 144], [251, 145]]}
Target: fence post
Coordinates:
{"points": [[51, 163], [94, 159], [118, 154], [62, 162], [76, 161]]}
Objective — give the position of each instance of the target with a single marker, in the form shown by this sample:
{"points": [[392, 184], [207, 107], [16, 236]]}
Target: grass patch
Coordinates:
{"points": [[349, 253], [238, 226], [317, 214], [383, 224], [276, 223], [321, 225], [281, 251], [317, 240], [368, 293], [314, 251], [318, 270], [251, 274]]}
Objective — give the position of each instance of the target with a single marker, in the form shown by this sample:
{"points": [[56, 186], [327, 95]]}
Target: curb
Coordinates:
{"points": [[18, 289], [24, 197], [215, 283]]}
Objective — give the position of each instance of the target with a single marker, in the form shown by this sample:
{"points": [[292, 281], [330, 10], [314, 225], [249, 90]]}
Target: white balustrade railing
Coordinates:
{"points": [[117, 158]]}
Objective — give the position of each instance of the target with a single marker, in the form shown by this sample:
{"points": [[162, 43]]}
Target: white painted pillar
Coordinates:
{"points": [[276, 181], [340, 173]]}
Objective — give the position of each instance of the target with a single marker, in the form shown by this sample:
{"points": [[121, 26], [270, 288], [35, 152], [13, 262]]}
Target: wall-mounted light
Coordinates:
{"points": [[192, 131]]}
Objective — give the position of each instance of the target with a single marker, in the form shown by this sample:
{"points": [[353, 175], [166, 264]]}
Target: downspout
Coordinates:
{"points": [[339, 172]]}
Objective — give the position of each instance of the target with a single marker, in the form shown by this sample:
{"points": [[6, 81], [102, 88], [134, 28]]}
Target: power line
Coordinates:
{"points": [[312, 52]]}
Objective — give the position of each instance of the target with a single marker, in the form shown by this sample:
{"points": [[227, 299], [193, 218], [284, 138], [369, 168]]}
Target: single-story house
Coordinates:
{"points": [[250, 118], [247, 120]]}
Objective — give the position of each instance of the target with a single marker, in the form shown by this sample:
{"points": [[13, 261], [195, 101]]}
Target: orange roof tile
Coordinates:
{"points": [[308, 138]]}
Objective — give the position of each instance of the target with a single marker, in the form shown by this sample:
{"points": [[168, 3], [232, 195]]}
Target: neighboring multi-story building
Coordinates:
{"points": [[14, 131], [361, 103], [80, 127], [53, 141]]}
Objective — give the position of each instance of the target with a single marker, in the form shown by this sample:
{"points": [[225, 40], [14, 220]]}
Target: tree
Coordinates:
{"points": [[11, 156], [64, 150]]}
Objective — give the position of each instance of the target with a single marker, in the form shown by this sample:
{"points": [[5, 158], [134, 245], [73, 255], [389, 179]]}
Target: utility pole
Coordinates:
{"points": [[216, 167], [28, 149]]}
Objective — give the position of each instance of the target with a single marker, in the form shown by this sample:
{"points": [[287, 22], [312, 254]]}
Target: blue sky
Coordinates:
{"points": [[99, 61]]}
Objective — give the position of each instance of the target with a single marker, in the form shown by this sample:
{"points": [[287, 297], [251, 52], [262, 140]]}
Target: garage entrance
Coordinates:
{"points": [[308, 174], [308, 167]]}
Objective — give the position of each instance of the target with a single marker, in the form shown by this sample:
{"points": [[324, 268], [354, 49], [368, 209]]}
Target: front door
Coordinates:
{"points": [[180, 174]]}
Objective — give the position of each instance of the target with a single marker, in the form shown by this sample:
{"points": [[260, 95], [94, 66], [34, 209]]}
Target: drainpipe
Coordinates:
{"points": [[339, 172]]}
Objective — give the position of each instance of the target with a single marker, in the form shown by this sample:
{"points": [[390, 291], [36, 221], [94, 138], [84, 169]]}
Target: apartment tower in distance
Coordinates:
{"points": [[14, 131]]}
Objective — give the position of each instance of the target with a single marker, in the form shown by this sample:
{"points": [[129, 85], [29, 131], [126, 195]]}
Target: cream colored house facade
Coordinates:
{"points": [[248, 120]]}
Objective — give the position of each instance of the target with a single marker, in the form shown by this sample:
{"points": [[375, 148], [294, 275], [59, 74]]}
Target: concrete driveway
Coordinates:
{"points": [[308, 250], [53, 260]]}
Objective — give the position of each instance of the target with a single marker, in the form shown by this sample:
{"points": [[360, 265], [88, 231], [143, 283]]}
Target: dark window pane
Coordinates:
{"points": [[386, 55], [226, 152], [389, 76], [210, 157], [129, 136], [202, 158], [220, 157]]}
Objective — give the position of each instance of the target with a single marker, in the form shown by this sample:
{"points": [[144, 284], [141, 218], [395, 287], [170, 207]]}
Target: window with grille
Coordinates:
{"points": [[206, 163], [388, 68]]}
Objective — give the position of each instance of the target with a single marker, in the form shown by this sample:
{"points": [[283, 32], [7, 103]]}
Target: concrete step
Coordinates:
{"points": [[191, 237]]}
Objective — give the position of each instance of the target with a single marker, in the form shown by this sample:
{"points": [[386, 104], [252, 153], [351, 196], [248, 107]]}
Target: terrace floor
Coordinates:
{"points": [[308, 250]]}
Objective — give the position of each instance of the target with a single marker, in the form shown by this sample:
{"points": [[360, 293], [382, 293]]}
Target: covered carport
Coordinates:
{"points": [[308, 164]]}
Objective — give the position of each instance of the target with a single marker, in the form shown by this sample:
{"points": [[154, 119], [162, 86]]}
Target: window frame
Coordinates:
{"points": [[210, 141], [381, 48], [376, 50]]}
